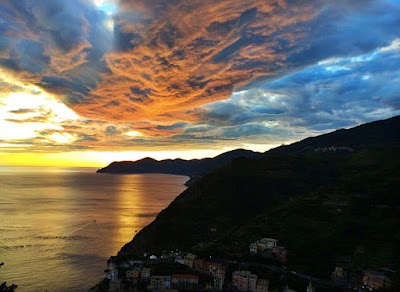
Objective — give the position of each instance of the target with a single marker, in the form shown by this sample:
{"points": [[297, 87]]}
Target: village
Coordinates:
{"points": [[164, 273]]}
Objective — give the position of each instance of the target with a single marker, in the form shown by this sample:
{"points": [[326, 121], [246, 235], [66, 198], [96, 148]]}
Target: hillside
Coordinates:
{"points": [[360, 210], [379, 133], [293, 196]]}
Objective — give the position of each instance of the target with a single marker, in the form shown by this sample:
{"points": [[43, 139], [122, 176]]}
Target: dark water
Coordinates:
{"points": [[58, 226]]}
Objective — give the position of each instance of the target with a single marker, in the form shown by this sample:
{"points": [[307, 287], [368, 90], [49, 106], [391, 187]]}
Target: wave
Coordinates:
{"points": [[66, 237], [19, 246]]}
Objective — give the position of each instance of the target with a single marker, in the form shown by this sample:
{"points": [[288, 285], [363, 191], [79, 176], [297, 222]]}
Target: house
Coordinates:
{"points": [[217, 270], [115, 285], [263, 244], [253, 248], [374, 280], [280, 253], [262, 285], [112, 274], [244, 280], [146, 272], [219, 282], [252, 282], [338, 273], [340, 276], [213, 267], [266, 243], [160, 283], [156, 283], [133, 274], [188, 260], [198, 265], [167, 282], [184, 281]]}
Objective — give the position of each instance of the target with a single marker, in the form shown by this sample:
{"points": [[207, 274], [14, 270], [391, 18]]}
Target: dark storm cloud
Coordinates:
{"points": [[346, 29]]}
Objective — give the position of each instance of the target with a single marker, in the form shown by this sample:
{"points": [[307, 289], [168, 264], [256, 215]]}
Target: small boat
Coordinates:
{"points": [[1, 264]]}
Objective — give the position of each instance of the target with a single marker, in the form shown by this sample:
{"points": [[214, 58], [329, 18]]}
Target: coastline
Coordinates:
{"points": [[103, 285]]}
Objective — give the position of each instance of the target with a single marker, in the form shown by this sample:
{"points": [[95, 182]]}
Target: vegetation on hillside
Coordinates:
{"points": [[323, 206]]}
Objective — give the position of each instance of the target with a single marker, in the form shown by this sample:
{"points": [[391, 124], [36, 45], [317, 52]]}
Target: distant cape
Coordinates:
{"points": [[194, 168]]}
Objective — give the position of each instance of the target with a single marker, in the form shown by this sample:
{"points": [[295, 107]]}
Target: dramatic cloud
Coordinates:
{"points": [[97, 74], [335, 93], [171, 56]]}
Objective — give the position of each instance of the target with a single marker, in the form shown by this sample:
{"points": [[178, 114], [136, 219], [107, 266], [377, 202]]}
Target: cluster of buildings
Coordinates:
{"points": [[175, 281], [135, 274], [269, 245], [209, 275], [214, 268], [371, 280], [142, 275]]}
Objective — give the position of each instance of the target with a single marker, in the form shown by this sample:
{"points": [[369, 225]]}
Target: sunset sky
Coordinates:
{"points": [[86, 82]]}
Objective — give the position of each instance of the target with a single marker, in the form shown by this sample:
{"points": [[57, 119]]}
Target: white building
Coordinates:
{"points": [[263, 244], [266, 243]]}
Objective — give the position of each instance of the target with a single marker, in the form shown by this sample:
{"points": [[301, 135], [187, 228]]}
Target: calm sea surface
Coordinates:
{"points": [[58, 226]]}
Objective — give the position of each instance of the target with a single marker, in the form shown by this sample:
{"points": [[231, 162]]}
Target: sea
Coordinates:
{"points": [[58, 226]]}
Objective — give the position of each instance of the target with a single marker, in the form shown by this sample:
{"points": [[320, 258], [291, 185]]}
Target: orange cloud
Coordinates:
{"points": [[174, 56]]}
